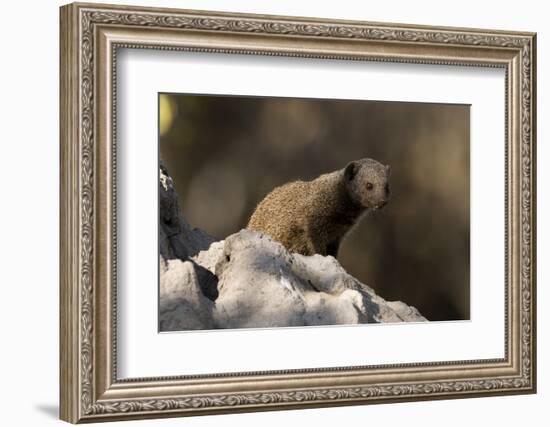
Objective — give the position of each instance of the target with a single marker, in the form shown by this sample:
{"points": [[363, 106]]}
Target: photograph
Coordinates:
{"points": [[278, 212]]}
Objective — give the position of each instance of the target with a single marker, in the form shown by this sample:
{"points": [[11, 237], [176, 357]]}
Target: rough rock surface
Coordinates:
{"points": [[250, 281]]}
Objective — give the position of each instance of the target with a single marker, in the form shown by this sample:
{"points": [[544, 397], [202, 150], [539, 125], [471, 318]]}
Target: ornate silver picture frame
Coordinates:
{"points": [[91, 36]]}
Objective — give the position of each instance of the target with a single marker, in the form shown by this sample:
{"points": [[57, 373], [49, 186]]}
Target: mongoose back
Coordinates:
{"points": [[312, 217]]}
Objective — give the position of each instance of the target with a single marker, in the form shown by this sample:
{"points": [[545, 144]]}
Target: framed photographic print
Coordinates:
{"points": [[265, 212]]}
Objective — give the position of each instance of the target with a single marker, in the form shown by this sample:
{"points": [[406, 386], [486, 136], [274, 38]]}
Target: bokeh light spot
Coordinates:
{"points": [[167, 112]]}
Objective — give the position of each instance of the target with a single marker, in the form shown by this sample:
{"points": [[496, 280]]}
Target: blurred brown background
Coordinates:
{"points": [[226, 153]]}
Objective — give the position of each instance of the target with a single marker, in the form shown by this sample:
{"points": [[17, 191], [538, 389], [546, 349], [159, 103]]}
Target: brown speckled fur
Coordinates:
{"points": [[310, 217]]}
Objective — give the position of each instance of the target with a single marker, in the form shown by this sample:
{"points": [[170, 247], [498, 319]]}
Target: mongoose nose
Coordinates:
{"points": [[387, 189]]}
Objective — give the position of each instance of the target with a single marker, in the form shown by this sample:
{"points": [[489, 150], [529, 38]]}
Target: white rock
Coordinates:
{"points": [[251, 281], [182, 303], [262, 285]]}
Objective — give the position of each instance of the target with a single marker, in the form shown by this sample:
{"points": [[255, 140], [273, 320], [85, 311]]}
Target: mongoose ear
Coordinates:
{"points": [[350, 171]]}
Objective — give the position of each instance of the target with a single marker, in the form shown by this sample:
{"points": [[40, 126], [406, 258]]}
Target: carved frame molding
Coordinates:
{"points": [[90, 37]]}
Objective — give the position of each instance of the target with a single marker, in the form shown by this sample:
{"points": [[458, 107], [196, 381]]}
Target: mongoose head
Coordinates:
{"points": [[367, 183]]}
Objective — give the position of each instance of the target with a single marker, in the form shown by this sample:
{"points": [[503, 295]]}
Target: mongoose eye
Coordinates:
{"points": [[370, 186]]}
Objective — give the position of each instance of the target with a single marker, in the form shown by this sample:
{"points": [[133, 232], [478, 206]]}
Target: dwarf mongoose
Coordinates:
{"points": [[312, 217]]}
